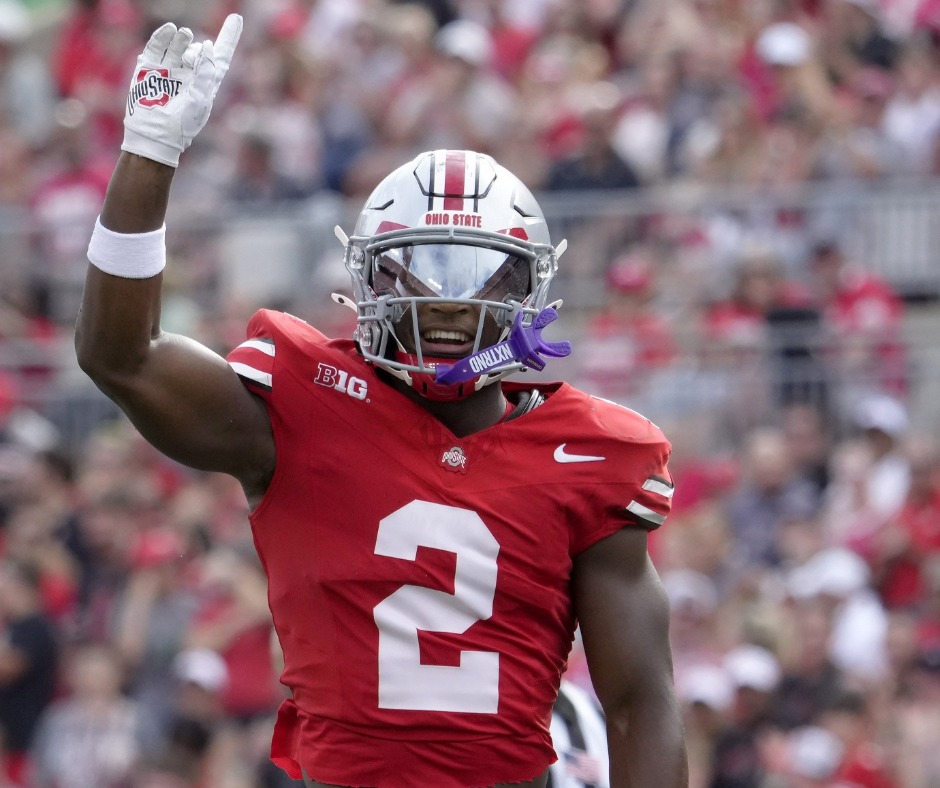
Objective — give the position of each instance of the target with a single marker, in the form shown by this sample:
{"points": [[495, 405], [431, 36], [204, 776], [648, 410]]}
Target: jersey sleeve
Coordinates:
{"points": [[253, 360], [637, 493]]}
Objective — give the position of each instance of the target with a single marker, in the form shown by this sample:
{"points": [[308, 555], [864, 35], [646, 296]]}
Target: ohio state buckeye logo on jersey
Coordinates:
{"points": [[153, 87], [455, 460]]}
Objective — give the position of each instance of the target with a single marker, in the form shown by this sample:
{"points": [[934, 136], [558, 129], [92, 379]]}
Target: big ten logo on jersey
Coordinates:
{"points": [[340, 380], [454, 219]]}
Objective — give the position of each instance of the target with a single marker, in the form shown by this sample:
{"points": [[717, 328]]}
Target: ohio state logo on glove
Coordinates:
{"points": [[153, 87], [175, 81]]}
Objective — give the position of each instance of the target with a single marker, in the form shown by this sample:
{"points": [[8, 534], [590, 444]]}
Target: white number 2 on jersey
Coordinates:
{"points": [[404, 683]]}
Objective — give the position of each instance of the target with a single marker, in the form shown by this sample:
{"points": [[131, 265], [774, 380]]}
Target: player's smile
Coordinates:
{"points": [[446, 342], [447, 330]]}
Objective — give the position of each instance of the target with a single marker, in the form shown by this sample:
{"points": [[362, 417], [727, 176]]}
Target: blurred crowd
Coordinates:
{"points": [[802, 560]]}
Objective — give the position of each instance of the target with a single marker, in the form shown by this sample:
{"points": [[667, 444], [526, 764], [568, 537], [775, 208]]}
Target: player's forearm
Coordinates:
{"points": [[119, 316], [647, 746], [137, 196]]}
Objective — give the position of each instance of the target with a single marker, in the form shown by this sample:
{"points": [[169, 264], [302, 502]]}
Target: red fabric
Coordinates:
{"points": [[866, 303], [92, 58], [866, 308], [371, 518], [511, 48], [252, 684], [652, 336], [902, 583], [17, 767], [864, 767], [59, 593]]}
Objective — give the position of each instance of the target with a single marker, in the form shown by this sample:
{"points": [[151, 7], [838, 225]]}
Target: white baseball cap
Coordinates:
{"points": [[707, 684], [203, 667], [784, 44], [834, 571], [883, 413], [14, 21], [753, 666], [466, 40]]}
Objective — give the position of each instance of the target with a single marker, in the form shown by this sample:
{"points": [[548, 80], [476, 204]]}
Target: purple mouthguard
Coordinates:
{"points": [[524, 344]]}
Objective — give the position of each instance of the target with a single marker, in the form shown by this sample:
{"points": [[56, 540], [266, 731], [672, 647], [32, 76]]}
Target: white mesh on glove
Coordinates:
{"points": [[173, 87]]}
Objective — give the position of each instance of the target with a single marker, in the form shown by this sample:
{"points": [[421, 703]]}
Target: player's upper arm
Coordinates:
{"points": [[624, 617], [184, 398]]}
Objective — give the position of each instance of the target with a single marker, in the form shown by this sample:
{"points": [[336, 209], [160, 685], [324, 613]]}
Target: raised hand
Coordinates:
{"points": [[174, 85]]}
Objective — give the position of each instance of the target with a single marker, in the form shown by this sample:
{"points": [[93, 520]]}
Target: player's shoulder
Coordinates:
{"points": [[271, 324], [278, 341], [603, 418], [288, 332]]}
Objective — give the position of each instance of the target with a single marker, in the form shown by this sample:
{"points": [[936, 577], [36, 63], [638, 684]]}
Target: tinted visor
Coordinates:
{"points": [[450, 271]]}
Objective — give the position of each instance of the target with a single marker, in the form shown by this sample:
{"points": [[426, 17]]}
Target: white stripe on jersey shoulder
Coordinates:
{"points": [[645, 514], [656, 485], [264, 378], [266, 346]]}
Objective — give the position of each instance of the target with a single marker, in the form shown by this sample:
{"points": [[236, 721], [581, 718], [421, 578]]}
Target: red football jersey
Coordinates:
{"points": [[419, 582]]}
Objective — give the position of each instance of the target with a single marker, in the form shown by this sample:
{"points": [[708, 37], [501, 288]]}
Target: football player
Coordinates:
{"points": [[431, 533]]}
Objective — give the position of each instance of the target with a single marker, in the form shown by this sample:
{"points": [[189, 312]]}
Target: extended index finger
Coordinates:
{"points": [[225, 44]]}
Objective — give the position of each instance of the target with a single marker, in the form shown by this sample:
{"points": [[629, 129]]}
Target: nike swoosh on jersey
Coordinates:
{"points": [[562, 456]]}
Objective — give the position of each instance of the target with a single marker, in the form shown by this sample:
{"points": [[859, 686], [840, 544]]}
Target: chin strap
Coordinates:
{"points": [[524, 344]]}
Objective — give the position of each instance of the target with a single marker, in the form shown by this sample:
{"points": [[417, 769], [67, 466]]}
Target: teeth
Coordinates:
{"points": [[445, 336]]}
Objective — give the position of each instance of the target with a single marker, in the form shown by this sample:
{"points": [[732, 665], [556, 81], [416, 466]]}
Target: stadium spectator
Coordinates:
{"points": [[93, 735], [706, 693], [27, 96], [193, 742], [848, 716], [594, 163], [445, 108], [90, 57], [912, 115], [152, 615], [809, 681], [627, 341], [28, 664], [809, 435], [738, 758], [839, 581], [872, 475], [917, 715], [863, 317], [771, 492], [233, 620], [911, 539]]}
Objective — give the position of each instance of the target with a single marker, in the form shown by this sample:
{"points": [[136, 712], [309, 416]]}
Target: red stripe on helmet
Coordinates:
{"points": [[387, 226], [455, 174]]}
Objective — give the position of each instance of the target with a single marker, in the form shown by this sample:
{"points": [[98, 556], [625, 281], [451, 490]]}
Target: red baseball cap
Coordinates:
{"points": [[629, 274]]}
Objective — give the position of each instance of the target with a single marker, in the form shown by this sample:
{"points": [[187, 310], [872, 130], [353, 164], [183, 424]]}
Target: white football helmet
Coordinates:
{"points": [[450, 226]]}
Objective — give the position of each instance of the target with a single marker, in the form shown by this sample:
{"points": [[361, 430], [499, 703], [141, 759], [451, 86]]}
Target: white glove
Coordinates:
{"points": [[172, 90]]}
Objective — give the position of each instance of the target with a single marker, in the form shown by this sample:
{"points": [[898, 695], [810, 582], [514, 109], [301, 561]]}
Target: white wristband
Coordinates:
{"points": [[128, 255]]}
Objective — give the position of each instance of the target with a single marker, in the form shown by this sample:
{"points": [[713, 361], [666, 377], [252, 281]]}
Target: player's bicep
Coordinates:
{"points": [[624, 618], [189, 403]]}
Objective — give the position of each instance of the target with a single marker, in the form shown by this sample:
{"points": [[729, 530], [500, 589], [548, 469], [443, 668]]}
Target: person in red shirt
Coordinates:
{"points": [[431, 534], [911, 539], [864, 316], [864, 763], [627, 340]]}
